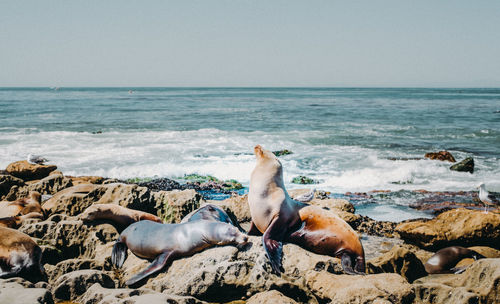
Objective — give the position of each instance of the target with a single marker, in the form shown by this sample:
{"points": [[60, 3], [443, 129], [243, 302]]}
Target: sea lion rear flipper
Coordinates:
{"points": [[154, 267], [119, 254], [272, 244]]}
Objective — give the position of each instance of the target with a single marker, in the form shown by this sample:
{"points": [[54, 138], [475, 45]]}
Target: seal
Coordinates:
{"points": [[19, 256], [164, 243], [22, 206], [211, 212], [118, 214], [282, 219], [444, 260], [16, 221]]}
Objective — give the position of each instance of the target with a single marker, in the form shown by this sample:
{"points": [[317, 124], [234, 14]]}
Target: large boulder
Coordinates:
{"points": [[460, 227], [7, 182], [74, 284], [400, 259], [26, 171], [481, 281], [18, 291], [271, 296], [51, 184], [236, 205], [466, 165], [441, 155], [172, 206]]}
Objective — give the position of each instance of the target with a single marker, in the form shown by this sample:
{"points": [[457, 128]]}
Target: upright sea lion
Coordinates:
{"points": [[121, 215], [19, 256], [280, 218], [211, 212], [164, 243], [445, 259], [22, 206]]}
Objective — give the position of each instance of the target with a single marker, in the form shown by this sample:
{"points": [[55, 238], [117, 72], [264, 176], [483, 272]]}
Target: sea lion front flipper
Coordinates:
{"points": [[346, 261], [271, 240], [158, 263]]}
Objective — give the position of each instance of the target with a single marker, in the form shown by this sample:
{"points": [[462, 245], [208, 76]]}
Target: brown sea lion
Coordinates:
{"points": [[164, 243], [445, 259], [22, 206], [121, 215], [16, 221], [282, 219], [19, 256]]}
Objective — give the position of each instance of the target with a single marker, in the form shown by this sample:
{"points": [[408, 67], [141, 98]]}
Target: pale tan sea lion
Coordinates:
{"points": [[164, 243], [280, 218], [444, 260], [121, 215], [19, 256], [22, 206]]}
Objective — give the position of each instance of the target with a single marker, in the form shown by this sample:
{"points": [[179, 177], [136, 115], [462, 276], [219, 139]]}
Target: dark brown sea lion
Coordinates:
{"points": [[445, 259], [282, 219], [121, 215], [22, 206], [211, 212], [164, 243], [19, 256], [16, 221]]}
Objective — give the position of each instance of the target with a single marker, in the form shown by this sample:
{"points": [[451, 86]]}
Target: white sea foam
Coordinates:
{"points": [[227, 154]]}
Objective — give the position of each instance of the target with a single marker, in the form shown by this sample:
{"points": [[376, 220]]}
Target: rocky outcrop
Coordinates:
{"points": [[19, 291], [271, 296], [7, 182], [51, 184], [441, 155], [460, 227], [74, 284], [400, 259], [480, 283], [26, 171], [172, 206], [466, 165], [236, 205]]}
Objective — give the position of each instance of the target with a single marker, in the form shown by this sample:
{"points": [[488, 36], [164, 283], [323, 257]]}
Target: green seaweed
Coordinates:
{"points": [[303, 180]]}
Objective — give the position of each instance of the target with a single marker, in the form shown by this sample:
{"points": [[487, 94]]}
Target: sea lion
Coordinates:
{"points": [[211, 212], [19, 256], [280, 218], [445, 259], [16, 221], [121, 215], [22, 206], [164, 243]]}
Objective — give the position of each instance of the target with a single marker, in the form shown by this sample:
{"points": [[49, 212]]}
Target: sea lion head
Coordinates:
{"points": [[229, 234], [268, 161], [92, 213], [35, 195]]}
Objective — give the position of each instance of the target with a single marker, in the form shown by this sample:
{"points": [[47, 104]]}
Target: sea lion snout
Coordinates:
{"points": [[258, 151]]}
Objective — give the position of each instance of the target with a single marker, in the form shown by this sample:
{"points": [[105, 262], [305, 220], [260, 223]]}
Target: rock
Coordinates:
{"points": [[97, 294], [77, 180], [271, 296], [74, 284], [466, 165], [172, 206], [282, 152], [480, 281], [240, 273], [304, 180], [51, 184], [26, 171], [7, 182], [13, 292], [460, 227], [369, 226], [384, 288], [70, 265], [236, 205], [400, 259], [441, 155], [375, 246]]}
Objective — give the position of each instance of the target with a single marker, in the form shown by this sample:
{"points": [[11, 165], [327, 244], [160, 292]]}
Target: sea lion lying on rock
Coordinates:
{"points": [[19, 256], [210, 212], [280, 218], [445, 259], [121, 215], [22, 206], [16, 221], [164, 243]]}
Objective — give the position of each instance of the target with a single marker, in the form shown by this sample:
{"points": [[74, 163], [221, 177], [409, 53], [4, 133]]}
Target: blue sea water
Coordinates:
{"points": [[345, 138]]}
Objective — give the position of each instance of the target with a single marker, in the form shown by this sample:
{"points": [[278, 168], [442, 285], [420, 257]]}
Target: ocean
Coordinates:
{"points": [[346, 139]]}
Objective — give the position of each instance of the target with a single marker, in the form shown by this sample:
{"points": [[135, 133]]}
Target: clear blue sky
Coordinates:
{"points": [[250, 43]]}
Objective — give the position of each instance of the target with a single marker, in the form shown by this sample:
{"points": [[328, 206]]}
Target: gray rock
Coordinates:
{"points": [[466, 165], [74, 284]]}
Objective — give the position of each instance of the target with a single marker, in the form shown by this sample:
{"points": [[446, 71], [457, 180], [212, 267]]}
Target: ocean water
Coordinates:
{"points": [[345, 138]]}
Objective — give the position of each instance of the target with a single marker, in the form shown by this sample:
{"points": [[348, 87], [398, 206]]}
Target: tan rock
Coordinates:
{"points": [[172, 206], [237, 205], [14, 292], [455, 227], [74, 284], [271, 296], [51, 184], [26, 171], [6, 183], [77, 180], [441, 155]]}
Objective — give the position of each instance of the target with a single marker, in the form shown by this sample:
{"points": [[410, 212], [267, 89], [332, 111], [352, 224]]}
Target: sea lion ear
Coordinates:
{"points": [[258, 151]]}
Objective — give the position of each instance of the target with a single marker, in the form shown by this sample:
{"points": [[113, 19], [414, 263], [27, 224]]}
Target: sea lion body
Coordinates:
{"points": [[22, 206], [19, 256], [445, 259], [116, 213], [167, 242], [16, 221], [280, 218], [211, 212]]}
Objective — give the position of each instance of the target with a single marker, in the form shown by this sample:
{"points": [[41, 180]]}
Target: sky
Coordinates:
{"points": [[250, 43]]}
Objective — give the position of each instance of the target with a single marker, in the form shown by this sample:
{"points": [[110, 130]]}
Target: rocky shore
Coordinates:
{"points": [[76, 254]]}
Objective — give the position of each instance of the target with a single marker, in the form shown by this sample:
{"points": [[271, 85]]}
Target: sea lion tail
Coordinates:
{"points": [[119, 254]]}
